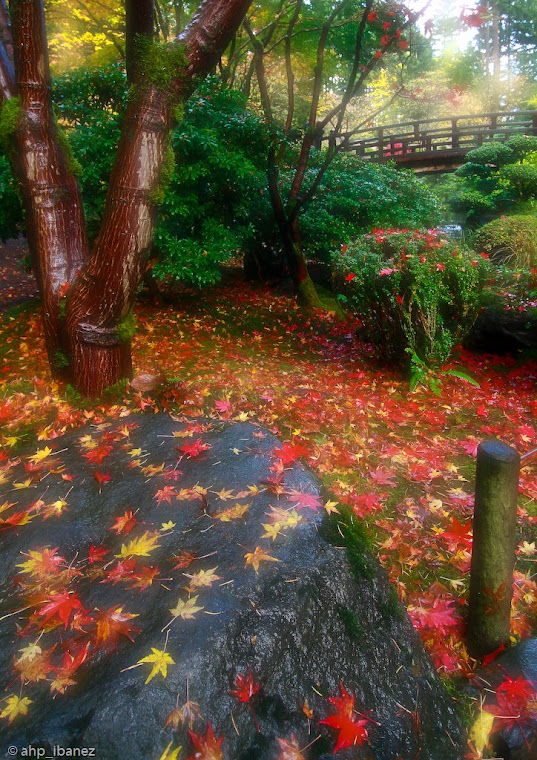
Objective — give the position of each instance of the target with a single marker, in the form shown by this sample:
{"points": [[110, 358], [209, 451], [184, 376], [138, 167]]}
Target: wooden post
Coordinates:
{"points": [[454, 133], [494, 544]]}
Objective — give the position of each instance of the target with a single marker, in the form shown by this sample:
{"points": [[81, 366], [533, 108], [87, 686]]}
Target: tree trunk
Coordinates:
{"points": [[100, 289], [54, 211], [99, 302], [304, 286]]}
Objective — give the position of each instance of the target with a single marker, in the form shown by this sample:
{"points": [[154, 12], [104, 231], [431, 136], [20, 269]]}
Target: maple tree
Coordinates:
{"points": [[378, 32], [87, 297]]}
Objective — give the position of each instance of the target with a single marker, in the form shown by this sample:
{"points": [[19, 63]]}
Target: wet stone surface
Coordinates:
{"points": [[233, 543]]}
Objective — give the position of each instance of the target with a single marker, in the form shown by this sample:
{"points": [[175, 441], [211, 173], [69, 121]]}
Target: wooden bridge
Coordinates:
{"points": [[435, 145]]}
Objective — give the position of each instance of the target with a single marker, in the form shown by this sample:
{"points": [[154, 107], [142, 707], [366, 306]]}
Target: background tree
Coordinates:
{"points": [[87, 297], [374, 33]]}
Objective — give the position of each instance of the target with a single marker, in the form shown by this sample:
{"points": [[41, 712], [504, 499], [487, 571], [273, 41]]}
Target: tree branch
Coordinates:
{"points": [[139, 22], [289, 70], [309, 137]]}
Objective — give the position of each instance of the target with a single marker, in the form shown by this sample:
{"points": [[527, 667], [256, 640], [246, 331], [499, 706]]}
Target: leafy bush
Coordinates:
{"points": [[511, 240], [356, 196], [522, 145], [216, 202], [416, 293], [495, 177], [494, 154], [523, 177]]}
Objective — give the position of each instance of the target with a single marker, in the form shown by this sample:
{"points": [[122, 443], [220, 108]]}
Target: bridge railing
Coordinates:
{"points": [[457, 134]]}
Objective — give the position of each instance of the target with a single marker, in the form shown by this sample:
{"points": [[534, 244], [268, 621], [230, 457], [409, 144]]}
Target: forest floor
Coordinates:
{"points": [[403, 462]]}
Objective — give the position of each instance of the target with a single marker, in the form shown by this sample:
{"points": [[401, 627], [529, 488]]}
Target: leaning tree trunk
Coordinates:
{"points": [[99, 290], [50, 194]]}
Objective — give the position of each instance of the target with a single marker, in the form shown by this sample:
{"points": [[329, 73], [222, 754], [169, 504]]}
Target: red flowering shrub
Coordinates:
{"points": [[416, 293]]}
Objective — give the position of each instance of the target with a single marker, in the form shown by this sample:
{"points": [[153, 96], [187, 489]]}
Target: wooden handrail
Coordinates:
{"points": [[409, 141]]}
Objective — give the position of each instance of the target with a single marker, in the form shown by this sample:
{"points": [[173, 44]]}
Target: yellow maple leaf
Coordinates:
{"points": [[6, 505], [203, 578], [173, 755], [233, 513], [168, 525], [331, 506], [224, 494], [271, 531], [159, 660], [23, 484], [141, 546], [480, 731], [186, 609], [29, 652], [527, 549], [257, 556], [15, 706], [40, 455]]}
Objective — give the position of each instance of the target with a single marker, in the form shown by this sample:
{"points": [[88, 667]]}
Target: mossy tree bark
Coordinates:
{"points": [[100, 286], [493, 550]]}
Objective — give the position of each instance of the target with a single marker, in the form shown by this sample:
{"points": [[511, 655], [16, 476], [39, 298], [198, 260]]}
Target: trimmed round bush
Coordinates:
{"points": [[416, 293], [523, 177], [522, 145], [510, 240]]}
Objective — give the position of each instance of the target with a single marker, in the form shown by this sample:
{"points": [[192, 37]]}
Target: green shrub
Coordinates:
{"points": [[523, 177], [495, 154], [416, 293], [522, 145], [356, 196], [511, 240]]}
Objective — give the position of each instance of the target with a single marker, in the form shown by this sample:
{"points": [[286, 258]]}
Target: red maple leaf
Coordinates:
{"points": [[60, 605], [96, 456], [207, 747], [71, 662], [143, 577], [289, 452], [514, 698], [125, 523], [194, 449], [245, 687], [434, 613], [245, 690], [383, 476], [351, 731], [97, 553], [300, 499], [102, 477], [457, 533], [111, 624], [165, 494], [120, 571]]}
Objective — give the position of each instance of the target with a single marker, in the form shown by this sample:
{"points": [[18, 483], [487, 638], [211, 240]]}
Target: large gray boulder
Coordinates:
{"points": [[322, 615]]}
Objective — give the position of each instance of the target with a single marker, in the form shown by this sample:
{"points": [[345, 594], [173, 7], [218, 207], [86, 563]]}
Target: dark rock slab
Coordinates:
{"points": [[303, 624], [518, 741], [503, 332]]}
